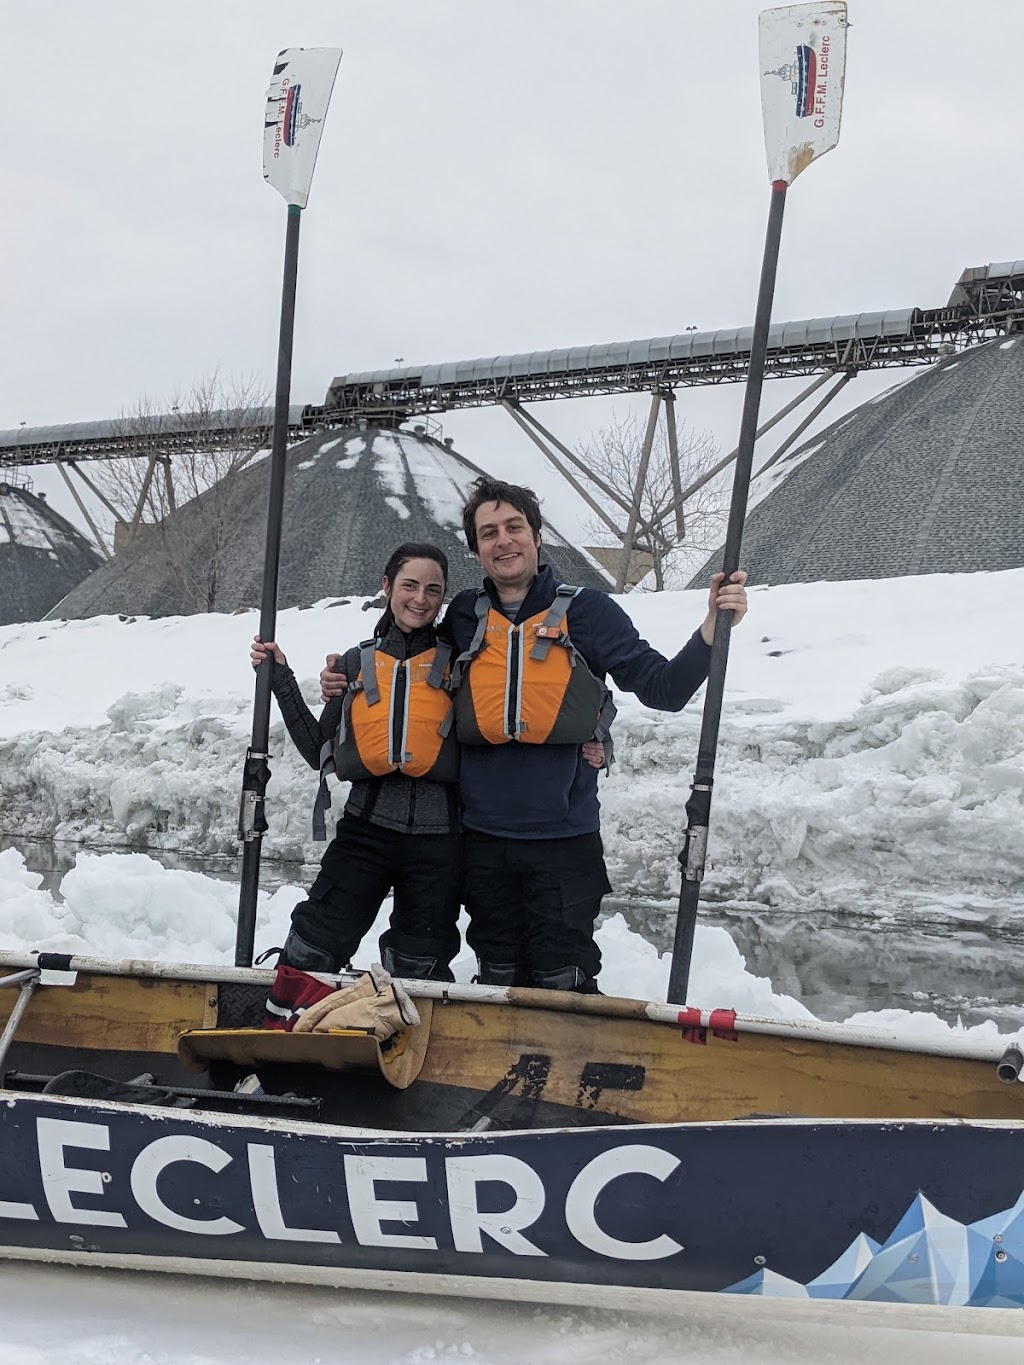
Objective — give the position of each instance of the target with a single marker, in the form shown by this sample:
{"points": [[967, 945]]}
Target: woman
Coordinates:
{"points": [[398, 832]]}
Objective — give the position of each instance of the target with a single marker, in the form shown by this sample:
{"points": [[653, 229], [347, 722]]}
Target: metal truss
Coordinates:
{"points": [[987, 302]]}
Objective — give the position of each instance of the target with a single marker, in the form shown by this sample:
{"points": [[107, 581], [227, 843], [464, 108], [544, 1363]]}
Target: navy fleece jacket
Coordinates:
{"points": [[549, 791]]}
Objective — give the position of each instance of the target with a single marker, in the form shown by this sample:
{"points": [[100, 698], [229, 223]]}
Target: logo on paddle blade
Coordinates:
{"points": [[292, 117], [808, 79], [802, 75]]}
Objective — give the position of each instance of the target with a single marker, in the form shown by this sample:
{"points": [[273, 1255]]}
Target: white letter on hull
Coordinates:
{"points": [[266, 1201], [61, 1181], [464, 1174], [588, 1185], [164, 1152], [9, 1210], [368, 1212]]}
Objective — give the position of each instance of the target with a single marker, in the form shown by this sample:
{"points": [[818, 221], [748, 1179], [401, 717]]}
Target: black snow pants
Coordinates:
{"points": [[532, 905], [362, 864]]}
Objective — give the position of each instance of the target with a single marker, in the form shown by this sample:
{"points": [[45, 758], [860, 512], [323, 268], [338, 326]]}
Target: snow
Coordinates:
{"points": [[388, 463], [354, 448], [28, 528], [873, 734], [873, 737], [137, 1319], [120, 905]]}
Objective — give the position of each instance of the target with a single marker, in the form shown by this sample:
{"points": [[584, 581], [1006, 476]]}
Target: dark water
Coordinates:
{"points": [[965, 962], [54, 857]]}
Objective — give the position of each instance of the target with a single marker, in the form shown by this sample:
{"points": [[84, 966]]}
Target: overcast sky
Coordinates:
{"points": [[492, 178]]}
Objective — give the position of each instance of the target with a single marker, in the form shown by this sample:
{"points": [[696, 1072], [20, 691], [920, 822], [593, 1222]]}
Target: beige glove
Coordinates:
{"points": [[374, 1003]]}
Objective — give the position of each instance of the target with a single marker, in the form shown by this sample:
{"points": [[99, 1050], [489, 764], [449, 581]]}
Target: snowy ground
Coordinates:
{"points": [[872, 746], [111, 1319]]}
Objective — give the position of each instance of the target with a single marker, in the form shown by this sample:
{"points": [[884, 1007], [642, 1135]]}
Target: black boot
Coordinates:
{"points": [[415, 967], [566, 979], [306, 956], [501, 973]]}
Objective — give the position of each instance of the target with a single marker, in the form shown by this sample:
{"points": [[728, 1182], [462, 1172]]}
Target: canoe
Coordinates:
{"points": [[515, 1141]]}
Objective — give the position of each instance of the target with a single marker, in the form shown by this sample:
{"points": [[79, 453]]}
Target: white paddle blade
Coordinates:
{"points": [[803, 66], [300, 91]]}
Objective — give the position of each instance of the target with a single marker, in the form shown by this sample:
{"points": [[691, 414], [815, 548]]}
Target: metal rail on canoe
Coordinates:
{"points": [[995, 1050]]}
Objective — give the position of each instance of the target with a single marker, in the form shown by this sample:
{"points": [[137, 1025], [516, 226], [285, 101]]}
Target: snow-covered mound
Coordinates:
{"points": [[872, 744], [42, 556]]}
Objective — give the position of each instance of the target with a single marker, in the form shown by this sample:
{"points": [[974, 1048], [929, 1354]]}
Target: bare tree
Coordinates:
{"points": [[189, 450], [614, 453]]}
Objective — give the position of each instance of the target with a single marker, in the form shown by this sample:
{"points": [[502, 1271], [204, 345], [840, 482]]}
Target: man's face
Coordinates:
{"points": [[508, 551]]}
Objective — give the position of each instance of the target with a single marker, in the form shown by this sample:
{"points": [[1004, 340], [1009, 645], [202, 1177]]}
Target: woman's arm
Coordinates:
{"points": [[308, 734]]}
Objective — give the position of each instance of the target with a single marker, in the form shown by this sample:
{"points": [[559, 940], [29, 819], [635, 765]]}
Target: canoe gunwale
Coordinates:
{"points": [[598, 1006]]}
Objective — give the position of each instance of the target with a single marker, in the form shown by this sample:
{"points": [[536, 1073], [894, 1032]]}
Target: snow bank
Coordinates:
{"points": [[873, 739], [128, 905], [873, 736]]}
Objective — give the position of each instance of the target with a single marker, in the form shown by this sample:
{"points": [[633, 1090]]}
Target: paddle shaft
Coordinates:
{"points": [[698, 807], [252, 821]]}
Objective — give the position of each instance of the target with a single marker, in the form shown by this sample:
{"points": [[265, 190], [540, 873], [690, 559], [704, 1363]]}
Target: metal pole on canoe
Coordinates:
{"points": [[300, 91], [802, 52]]}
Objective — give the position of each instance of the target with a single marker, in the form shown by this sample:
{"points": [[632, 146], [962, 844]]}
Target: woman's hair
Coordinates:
{"points": [[397, 561], [415, 550]]}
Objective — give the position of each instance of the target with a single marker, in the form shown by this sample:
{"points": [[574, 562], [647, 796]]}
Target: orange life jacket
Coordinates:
{"points": [[395, 718], [527, 682]]}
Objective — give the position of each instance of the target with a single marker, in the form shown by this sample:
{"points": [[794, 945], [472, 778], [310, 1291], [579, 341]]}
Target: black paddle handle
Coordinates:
{"points": [[698, 807], [252, 821]]}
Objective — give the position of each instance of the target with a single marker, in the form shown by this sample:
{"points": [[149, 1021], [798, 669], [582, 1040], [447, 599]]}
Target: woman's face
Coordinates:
{"points": [[416, 594]]}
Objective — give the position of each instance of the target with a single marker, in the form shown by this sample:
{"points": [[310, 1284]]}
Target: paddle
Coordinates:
{"points": [[802, 53], [300, 91]]}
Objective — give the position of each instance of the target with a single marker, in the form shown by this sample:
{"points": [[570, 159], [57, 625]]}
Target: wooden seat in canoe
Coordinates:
{"points": [[399, 1060]]}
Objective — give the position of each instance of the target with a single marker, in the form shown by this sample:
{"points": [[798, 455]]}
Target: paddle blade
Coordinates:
{"points": [[300, 91], [803, 66]]}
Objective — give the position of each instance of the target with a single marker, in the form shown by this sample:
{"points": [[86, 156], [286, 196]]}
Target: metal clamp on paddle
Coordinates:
{"points": [[694, 855], [695, 848], [255, 775]]}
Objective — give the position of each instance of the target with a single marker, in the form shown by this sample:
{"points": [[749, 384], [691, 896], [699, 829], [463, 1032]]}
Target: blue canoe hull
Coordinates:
{"points": [[874, 1212]]}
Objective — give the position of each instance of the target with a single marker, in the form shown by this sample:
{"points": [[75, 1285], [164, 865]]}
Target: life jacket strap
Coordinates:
{"points": [[323, 797], [442, 658], [603, 728], [551, 627], [483, 611], [368, 671]]}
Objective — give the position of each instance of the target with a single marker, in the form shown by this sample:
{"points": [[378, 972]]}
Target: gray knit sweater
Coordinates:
{"points": [[409, 805]]}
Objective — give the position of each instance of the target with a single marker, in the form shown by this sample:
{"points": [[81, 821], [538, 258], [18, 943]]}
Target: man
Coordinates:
{"points": [[535, 871]]}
